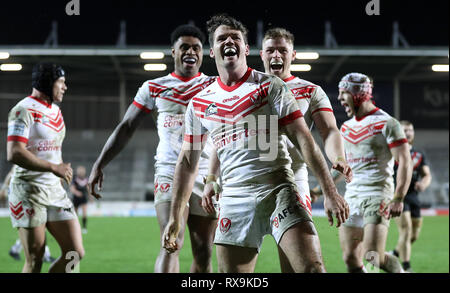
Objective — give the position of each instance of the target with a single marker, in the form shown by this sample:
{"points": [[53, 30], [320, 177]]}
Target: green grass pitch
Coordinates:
{"points": [[130, 245]]}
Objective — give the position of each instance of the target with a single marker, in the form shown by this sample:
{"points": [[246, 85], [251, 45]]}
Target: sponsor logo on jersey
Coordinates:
{"points": [[225, 225], [233, 98], [45, 119], [16, 129], [211, 110]]}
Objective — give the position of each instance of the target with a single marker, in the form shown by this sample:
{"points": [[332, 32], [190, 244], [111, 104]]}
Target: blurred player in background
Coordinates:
{"points": [[256, 189], [78, 188], [167, 98], [37, 199], [372, 140], [410, 221]]}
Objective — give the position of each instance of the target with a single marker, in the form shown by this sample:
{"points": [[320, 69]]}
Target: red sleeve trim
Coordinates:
{"points": [[17, 138], [142, 107], [194, 138], [397, 143], [322, 109], [290, 118]]}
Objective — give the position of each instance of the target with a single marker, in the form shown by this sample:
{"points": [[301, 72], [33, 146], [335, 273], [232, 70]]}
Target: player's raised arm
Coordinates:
{"points": [[115, 143], [184, 178]]}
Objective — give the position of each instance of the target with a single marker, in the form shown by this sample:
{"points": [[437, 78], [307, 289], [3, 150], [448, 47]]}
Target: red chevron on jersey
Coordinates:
{"points": [[232, 114], [16, 210], [304, 92], [356, 136], [57, 123], [176, 95]]}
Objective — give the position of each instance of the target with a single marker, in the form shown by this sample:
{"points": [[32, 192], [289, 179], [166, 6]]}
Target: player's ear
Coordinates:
{"points": [[173, 53], [247, 50], [294, 54], [211, 53]]}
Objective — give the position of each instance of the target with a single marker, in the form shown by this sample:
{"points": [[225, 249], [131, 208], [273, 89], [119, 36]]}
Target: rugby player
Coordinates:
{"points": [[167, 98], [259, 194], [277, 55], [409, 223], [372, 141], [37, 199], [78, 188]]}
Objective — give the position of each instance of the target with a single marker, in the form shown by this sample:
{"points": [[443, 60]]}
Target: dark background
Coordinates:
{"points": [[423, 23]]}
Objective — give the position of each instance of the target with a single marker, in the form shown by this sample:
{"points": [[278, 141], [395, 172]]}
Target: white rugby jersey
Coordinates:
{"points": [[170, 95], [311, 98], [367, 143], [41, 126], [237, 119]]}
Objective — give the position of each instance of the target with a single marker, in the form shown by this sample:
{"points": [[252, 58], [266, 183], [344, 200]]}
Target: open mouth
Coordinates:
{"points": [[346, 107], [229, 52], [189, 60], [276, 65]]}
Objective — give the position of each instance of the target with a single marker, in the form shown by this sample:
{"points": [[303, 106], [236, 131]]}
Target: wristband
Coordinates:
{"points": [[209, 179], [397, 198], [339, 159]]}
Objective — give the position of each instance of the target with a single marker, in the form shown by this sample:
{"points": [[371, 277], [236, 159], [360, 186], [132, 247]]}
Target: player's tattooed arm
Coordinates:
{"points": [[211, 187], [334, 148], [114, 145], [404, 172], [183, 182]]}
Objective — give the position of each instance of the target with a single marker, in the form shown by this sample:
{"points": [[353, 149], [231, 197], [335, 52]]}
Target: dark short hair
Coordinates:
{"points": [[278, 33], [406, 123], [187, 30], [224, 19]]}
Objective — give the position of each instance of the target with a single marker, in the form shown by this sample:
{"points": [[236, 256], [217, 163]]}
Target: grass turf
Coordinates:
{"points": [[131, 245]]}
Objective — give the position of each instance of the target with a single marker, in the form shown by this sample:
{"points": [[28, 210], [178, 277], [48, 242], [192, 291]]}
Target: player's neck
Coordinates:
{"points": [[185, 74], [41, 96], [365, 109], [232, 76]]}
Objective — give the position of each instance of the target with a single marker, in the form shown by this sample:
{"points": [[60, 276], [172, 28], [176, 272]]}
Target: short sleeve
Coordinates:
{"points": [[144, 99], [283, 102], [20, 121], [194, 131], [320, 101], [393, 132]]}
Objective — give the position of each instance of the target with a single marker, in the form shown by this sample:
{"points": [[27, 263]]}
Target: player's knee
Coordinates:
{"points": [[202, 255]]}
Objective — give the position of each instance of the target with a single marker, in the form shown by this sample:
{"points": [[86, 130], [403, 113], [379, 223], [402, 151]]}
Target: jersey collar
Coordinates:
{"points": [[183, 78], [241, 81], [368, 114], [289, 78], [41, 101]]}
